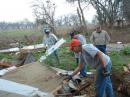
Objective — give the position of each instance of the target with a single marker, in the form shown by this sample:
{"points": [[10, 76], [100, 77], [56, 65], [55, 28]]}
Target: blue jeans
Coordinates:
{"points": [[102, 48], [84, 68], [103, 84]]}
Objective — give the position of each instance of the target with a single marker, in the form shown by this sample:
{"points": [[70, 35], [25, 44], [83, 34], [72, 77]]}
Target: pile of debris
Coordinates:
{"points": [[124, 86], [44, 81], [4, 64], [121, 82], [29, 77], [40, 78], [78, 87], [127, 69]]}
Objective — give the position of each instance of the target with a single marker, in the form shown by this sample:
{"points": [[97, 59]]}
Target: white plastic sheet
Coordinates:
{"points": [[13, 87], [4, 71], [30, 47], [52, 49]]}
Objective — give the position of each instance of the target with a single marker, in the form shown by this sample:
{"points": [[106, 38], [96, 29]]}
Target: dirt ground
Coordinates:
{"points": [[121, 84], [119, 34]]}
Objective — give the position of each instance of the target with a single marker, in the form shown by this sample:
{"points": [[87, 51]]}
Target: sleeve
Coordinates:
{"points": [[91, 49], [54, 39], [54, 36]]}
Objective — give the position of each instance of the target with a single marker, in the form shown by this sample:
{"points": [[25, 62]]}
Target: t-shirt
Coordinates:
{"points": [[88, 54], [50, 40]]}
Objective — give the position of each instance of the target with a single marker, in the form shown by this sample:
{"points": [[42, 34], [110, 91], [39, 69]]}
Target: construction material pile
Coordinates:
{"points": [[124, 86], [121, 81], [77, 87]]}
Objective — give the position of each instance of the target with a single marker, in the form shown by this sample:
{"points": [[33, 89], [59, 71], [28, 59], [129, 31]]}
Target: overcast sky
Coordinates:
{"points": [[18, 10]]}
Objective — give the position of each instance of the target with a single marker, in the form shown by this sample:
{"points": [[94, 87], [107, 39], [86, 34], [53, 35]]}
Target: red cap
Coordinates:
{"points": [[73, 43]]}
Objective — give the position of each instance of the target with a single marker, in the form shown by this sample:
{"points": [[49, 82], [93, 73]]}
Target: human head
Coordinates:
{"points": [[75, 45], [98, 29], [71, 34], [47, 31]]}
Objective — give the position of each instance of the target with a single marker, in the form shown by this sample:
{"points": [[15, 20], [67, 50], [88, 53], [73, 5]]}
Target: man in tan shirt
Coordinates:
{"points": [[100, 39]]}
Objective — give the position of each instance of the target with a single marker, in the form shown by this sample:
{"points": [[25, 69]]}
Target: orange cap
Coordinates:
{"points": [[73, 43]]}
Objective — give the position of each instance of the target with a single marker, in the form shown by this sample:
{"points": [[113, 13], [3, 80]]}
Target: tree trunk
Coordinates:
{"points": [[82, 14], [79, 15]]}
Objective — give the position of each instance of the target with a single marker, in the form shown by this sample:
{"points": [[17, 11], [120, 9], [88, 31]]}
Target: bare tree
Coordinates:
{"points": [[44, 13], [59, 21], [79, 11], [107, 11], [74, 20], [68, 20], [126, 9]]}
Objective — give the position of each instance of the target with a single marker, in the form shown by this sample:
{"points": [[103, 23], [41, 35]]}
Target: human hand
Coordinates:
{"points": [[69, 77], [105, 73]]}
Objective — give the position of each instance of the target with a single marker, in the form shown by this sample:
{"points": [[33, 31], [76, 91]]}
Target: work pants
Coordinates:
{"points": [[102, 48], [103, 85]]}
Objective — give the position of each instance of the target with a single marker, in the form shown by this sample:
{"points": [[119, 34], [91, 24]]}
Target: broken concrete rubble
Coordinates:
{"points": [[21, 89], [6, 70], [39, 76], [124, 86], [34, 75], [25, 57], [4, 64]]}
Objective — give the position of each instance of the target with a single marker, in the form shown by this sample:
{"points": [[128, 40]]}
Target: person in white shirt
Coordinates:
{"points": [[49, 40]]}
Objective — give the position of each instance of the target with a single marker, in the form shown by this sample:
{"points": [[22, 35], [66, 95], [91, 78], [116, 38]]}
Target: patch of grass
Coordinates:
{"points": [[66, 58], [126, 51], [16, 33], [7, 57], [38, 54], [119, 59]]}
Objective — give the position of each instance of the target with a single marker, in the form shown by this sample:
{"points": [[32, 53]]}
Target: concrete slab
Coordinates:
{"points": [[35, 75], [7, 94]]}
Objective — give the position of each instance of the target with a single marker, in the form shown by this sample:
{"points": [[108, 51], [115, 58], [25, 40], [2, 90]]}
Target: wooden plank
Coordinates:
{"points": [[30, 47], [3, 64]]}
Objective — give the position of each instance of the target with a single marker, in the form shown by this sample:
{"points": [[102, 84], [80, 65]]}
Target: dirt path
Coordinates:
{"points": [[116, 47]]}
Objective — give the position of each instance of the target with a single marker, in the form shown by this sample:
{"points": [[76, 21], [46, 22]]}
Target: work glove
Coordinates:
{"points": [[69, 77], [105, 73]]}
